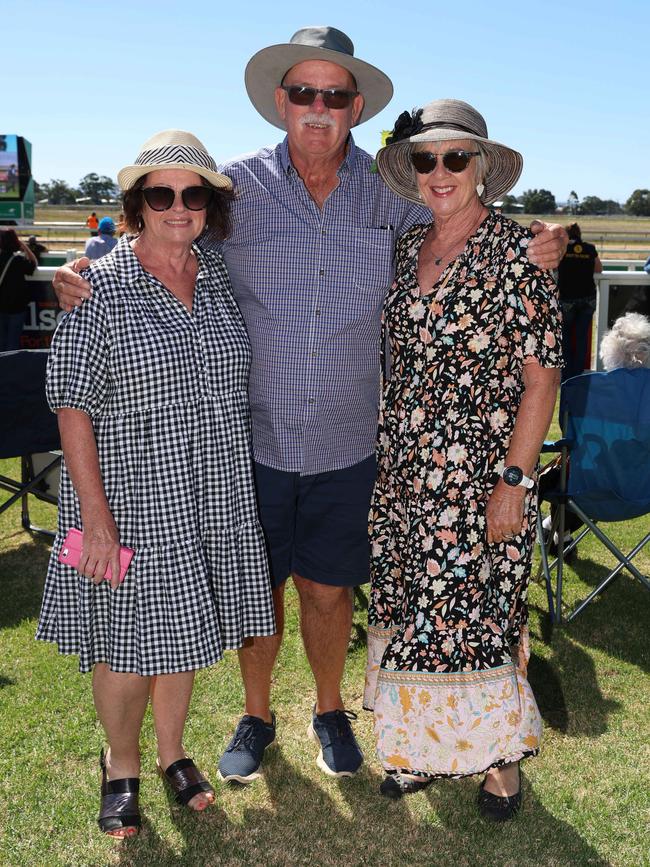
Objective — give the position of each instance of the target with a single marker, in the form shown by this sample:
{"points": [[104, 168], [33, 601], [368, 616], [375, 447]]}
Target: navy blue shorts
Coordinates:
{"points": [[317, 526]]}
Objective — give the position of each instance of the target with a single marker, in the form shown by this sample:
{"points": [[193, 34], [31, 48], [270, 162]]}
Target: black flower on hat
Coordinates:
{"points": [[406, 126]]}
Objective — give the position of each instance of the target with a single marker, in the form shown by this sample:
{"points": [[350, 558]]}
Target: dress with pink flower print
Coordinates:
{"points": [[448, 641]]}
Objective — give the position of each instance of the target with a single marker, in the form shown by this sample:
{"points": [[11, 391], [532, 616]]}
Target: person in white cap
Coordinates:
{"points": [[310, 258]]}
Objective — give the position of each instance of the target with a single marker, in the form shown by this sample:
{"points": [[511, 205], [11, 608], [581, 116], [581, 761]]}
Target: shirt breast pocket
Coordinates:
{"points": [[371, 266], [372, 251]]}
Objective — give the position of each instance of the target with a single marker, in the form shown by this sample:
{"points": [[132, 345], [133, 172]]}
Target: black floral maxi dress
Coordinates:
{"points": [[448, 641]]}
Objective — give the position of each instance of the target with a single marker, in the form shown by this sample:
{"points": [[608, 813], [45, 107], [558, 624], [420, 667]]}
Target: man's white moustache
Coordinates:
{"points": [[314, 117]]}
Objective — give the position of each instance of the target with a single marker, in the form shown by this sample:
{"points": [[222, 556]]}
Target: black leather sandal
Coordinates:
{"points": [[119, 802], [185, 780], [396, 785], [497, 808]]}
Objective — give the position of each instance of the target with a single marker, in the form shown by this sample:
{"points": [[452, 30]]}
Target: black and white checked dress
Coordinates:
{"points": [[166, 390]]}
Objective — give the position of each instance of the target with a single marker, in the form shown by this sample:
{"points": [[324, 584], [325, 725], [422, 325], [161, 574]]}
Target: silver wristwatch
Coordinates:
{"points": [[514, 476]]}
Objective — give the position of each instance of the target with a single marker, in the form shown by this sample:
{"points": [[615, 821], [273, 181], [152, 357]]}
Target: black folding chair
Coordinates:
{"points": [[27, 428], [604, 473]]}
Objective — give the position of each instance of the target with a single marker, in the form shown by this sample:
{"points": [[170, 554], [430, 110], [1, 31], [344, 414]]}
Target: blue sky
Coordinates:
{"points": [[564, 83]]}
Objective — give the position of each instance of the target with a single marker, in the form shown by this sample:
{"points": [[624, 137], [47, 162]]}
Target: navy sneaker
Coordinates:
{"points": [[340, 755], [243, 756]]}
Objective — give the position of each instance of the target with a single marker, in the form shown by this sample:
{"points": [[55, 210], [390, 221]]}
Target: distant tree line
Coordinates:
{"points": [[100, 188], [92, 187], [543, 202]]}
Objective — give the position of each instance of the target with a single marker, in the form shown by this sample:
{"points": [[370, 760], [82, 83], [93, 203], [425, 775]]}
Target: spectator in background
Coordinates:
{"points": [[16, 262], [578, 299], [105, 240], [93, 223], [36, 248], [627, 343]]}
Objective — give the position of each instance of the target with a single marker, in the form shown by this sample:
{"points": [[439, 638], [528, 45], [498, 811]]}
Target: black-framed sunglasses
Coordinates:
{"points": [[162, 198], [332, 97], [425, 162]]}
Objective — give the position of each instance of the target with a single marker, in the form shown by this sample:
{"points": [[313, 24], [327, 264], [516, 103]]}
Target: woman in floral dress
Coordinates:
{"points": [[475, 345]]}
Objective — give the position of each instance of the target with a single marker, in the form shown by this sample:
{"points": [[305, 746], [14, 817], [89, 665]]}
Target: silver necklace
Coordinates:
{"points": [[438, 259]]}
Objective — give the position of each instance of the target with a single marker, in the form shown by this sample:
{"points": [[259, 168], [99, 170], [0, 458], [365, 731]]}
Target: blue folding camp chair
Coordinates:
{"points": [[27, 427], [605, 471]]}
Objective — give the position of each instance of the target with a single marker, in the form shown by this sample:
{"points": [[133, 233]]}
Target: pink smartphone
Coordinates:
{"points": [[70, 553]]}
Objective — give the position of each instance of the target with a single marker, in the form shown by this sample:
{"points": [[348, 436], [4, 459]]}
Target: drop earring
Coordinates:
{"points": [[480, 189]]}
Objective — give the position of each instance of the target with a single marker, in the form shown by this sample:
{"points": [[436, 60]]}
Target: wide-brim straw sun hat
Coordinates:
{"points": [[446, 120], [266, 70], [173, 149]]}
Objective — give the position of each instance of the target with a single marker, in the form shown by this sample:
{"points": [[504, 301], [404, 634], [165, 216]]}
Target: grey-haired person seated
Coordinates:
{"points": [[627, 343]]}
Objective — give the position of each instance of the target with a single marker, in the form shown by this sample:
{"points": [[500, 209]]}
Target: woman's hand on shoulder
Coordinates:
{"points": [[101, 548], [548, 246], [27, 252]]}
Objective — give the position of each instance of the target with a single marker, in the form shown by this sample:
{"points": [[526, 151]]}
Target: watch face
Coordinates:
{"points": [[512, 476]]}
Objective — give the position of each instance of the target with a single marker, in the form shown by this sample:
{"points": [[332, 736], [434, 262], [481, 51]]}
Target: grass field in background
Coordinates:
{"points": [[587, 796]]}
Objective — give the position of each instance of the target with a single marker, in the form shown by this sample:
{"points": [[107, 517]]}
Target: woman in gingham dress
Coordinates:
{"points": [[149, 380]]}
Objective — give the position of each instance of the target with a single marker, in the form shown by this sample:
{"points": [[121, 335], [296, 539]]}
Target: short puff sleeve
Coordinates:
{"points": [[77, 369], [535, 317]]}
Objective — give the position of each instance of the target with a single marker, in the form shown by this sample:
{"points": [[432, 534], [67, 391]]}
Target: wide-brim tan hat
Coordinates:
{"points": [[266, 70], [446, 120], [173, 149]]}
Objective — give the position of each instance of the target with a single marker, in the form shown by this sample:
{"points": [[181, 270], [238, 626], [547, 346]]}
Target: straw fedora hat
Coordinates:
{"points": [[446, 120], [173, 149], [266, 70]]}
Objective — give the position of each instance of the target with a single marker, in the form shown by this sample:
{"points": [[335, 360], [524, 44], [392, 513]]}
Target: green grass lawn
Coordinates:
{"points": [[587, 796]]}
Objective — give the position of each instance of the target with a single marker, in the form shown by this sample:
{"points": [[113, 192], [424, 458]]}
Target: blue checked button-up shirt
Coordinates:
{"points": [[310, 284]]}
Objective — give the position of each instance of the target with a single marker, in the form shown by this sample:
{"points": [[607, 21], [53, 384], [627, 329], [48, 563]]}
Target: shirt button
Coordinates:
{"points": [[312, 400], [321, 272], [317, 312], [323, 231], [314, 354]]}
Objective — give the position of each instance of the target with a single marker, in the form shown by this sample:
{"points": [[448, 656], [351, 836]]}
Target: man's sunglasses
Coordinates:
{"points": [[332, 97], [162, 198], [425, 162]]}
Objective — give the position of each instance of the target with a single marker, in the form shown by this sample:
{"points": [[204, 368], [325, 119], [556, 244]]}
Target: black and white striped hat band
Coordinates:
{"points": [[175, 154]]}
